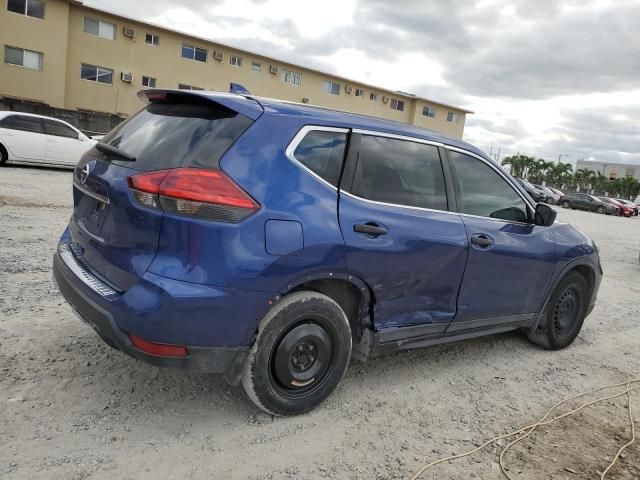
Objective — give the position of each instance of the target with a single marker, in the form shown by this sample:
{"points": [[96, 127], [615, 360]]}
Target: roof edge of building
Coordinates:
{"points": [[80, 3]]}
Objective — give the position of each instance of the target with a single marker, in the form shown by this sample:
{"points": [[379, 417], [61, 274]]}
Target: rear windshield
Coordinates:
{"points": [[163, 136]]}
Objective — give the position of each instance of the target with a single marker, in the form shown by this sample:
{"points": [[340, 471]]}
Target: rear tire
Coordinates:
{"points": [[4, 156], [566, 204], [300, 354], [564, 315]]}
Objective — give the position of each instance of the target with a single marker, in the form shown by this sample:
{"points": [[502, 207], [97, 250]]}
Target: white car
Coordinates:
{"points": [[34, 139]]}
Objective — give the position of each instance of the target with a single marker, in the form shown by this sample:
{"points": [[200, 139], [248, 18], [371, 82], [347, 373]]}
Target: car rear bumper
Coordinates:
{"points": [[151, 310]]}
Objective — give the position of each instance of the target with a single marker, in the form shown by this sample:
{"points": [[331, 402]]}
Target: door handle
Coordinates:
{"points": [[481, 240], [370, 229]]}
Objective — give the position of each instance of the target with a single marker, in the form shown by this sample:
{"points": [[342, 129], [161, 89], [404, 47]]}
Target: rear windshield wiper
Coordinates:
{"points": [[106, 148]]}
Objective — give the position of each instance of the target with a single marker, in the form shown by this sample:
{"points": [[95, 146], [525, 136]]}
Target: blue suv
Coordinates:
{"points": [[271, 242]]}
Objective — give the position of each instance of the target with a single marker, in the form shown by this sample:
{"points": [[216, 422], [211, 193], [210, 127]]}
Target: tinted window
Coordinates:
{"points": [[399, 172], [481, 191], [177, 135], [59, 129], [22, 123], [322, 152]]}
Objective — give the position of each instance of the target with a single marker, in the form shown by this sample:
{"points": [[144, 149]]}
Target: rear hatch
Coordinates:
{"points": [[115, 227]]}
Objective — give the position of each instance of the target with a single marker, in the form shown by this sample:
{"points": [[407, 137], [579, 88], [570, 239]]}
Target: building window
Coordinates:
{"points": [[428, 111], [235, 60], [373, 97], [23, 58], [194, 53], [99, 28], [183, 86], [331, 87], [292, 78], [148, 82], [94, 73], [30, 8], [453, 117], [359, 92], [256, 66], [151, 39], [397, 104]]}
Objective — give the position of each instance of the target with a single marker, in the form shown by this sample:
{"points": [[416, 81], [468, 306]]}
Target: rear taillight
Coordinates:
{"points": [[207, 194], [158, 349]]}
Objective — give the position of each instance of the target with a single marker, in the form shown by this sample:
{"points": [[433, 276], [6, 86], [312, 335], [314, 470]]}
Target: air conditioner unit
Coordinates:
{"points": [[273, 69], [126, 77], [348, 88], [218, 56], [385, 99], [129, 32]]}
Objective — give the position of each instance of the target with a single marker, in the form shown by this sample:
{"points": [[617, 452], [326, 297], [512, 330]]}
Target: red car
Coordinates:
{"points": [[629, 204], [622, 209]]}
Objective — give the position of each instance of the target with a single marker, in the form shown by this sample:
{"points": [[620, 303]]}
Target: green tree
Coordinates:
{"points": [[584, 178], [519, 164], [559, 174]]}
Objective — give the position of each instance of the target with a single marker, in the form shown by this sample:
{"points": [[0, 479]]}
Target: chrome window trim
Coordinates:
{"points": [[397, 137], [376, 202], [84, 275], [291, 148], [90, 193], [499, 171]]}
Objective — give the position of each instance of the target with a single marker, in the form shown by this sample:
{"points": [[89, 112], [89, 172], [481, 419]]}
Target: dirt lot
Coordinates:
{"points": [[72, 408]]}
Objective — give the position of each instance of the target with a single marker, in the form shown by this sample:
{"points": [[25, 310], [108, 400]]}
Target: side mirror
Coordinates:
{"points": [[545, 215]]}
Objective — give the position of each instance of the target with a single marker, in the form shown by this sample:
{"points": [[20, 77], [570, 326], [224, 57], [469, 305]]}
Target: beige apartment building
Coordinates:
{"points": [[67, 55]]}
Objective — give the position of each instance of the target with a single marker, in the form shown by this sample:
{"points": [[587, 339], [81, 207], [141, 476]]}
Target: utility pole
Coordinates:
{"points": [[562, 155]]}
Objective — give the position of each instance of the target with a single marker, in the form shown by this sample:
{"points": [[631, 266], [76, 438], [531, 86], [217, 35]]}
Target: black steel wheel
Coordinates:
{"points": [[564, 314], [301, 352]]}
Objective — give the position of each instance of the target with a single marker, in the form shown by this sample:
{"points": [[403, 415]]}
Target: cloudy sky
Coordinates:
{"points": [[545, 77]]}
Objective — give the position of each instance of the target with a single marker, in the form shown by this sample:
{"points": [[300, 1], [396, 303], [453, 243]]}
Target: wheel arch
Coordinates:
{"points": [[350, 292], [580, 266]]}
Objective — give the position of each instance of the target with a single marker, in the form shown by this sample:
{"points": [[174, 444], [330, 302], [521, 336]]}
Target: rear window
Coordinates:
{"points": [[171, 135], [322, 152]]}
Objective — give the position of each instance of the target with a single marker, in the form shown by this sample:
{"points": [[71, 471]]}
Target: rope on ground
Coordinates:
{"points": [[630, 442], [529, 429]]}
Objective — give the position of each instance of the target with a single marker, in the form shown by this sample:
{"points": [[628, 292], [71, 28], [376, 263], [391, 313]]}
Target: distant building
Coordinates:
{"points": [[611, 170], [70, 56]]}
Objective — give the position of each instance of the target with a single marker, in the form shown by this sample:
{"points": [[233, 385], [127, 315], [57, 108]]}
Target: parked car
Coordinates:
{"points": [[35, 139], [585, 201], [270, 242], [622, 209], [550, 196], [534, 193], [629, 203]]}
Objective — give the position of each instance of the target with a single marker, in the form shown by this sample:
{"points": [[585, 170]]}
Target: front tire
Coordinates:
{"points": [[600, 210], [4, 156], [564, 314], [300, 354], [551, 201], [566, 204]]}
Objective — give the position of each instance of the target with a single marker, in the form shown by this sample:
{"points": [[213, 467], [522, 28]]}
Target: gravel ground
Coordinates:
{"points": [[72, 408]]}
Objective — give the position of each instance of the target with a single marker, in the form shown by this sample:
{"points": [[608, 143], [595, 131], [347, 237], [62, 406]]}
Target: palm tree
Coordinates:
{"points": [[584, 178], [601, 184], [558, 175], [519, 164]]}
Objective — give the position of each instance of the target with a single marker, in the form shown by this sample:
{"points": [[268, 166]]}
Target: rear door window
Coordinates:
{"points": [[22, 123], [482, 192], [58, 129], [189, 133], [322, 152], [399, 172]]}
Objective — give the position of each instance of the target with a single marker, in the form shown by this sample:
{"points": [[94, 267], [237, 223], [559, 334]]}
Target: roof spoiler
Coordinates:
{"points": [[246, 106]]}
